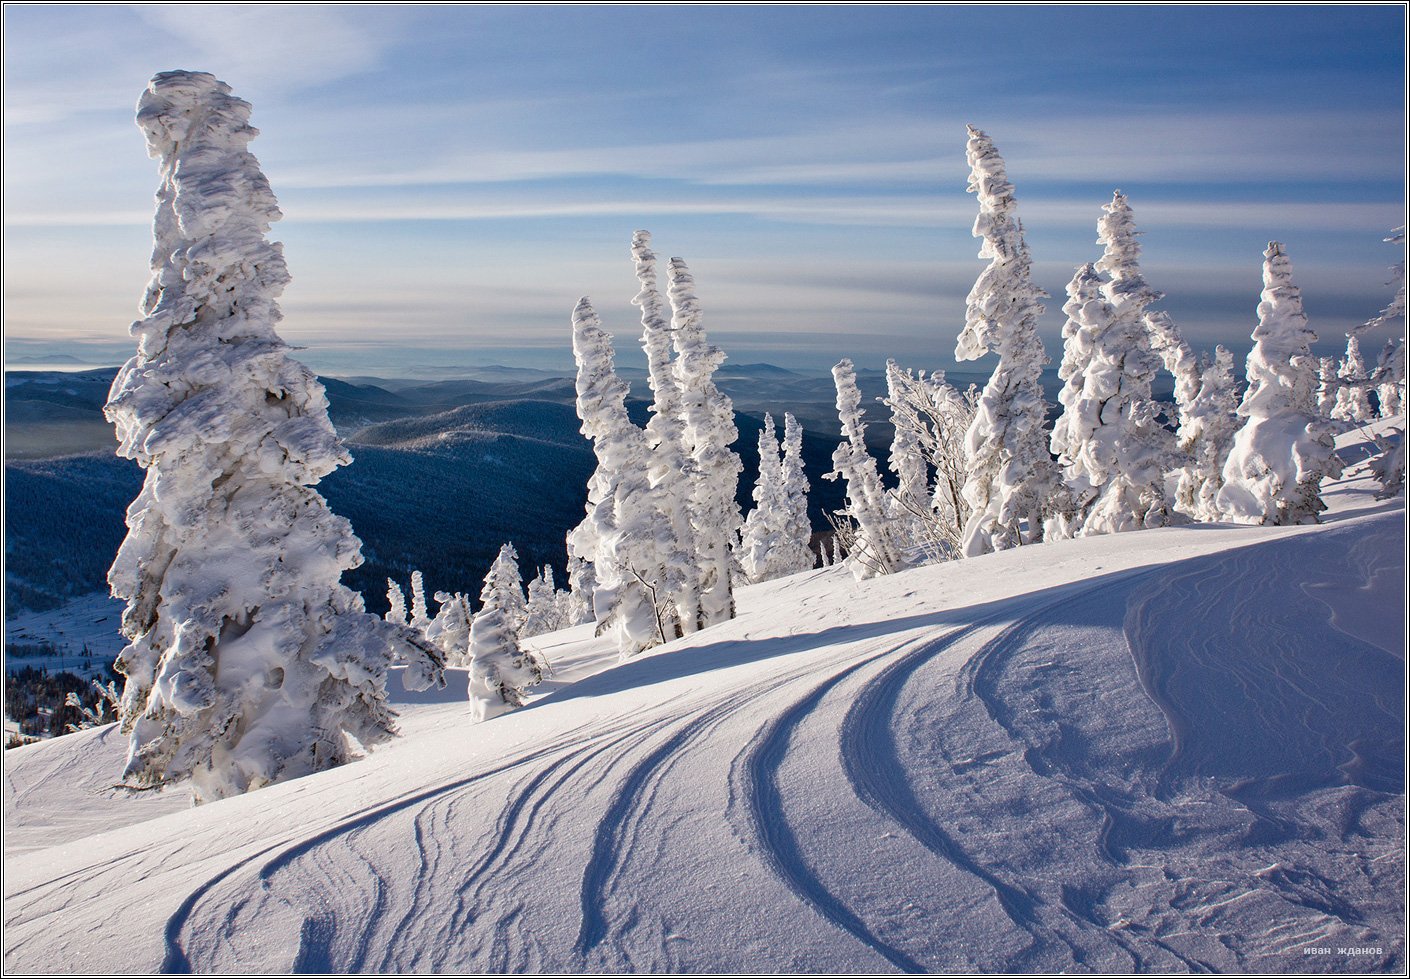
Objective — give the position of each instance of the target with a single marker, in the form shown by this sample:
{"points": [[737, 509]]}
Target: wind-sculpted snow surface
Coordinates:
{"points": [[1180, 750]]}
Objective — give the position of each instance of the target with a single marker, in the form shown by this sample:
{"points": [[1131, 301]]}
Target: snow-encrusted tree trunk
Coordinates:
{"points": [[1328, 384], [1390, 379], [248, 662], [797, 531], [396, 604], [1206, 435], [763, 527], [582, 585], [625, 524], [1009, 474], [708, 432], [873, 549], [1353, 402], [674, 473], [1285, 448], [420, 615], [502, 669]]}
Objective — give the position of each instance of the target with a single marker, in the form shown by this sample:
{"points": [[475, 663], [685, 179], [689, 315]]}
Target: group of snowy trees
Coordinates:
{"points": [[1115, 459], [248, 662], [663, 543]]}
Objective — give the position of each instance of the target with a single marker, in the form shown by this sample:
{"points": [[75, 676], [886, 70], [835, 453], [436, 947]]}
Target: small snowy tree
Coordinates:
{"points": [[543, 613], [873, 549], [1328, 384], [449, 631], [909, 504], [1285, 448], [762, 535], [1389, 379], [625, 524], [501, 668], [707, 433], [248, 662], [508, 584], [1206, 435], [420, 616], [1353, 402], [1009, 474], [793, 554], [582, 584], [396, 604]]}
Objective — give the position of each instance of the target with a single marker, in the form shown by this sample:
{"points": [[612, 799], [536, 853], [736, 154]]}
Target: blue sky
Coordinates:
{"points": [[453, 178]]}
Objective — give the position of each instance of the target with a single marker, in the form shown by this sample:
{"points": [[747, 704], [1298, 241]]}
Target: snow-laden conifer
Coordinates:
{"points": [[763, 527], [1009, 474], [508, 585], [396, 604], [248, 662], [708, 431], [1206, 434], [1133, 494], [420, 615], [674, 473], [449, 631], [874, 548], [576, 602], [625, 525], [1328, 384], [909, 502], [1389, 375], [797, 530], [1285, 448], [502, 669], [1353, 402], [543, 612]]}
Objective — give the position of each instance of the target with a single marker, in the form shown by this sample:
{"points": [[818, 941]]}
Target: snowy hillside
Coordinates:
{"points": [[1179, 749]]}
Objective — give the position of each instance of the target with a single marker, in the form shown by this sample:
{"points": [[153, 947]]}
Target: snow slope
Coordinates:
{"points": [[1179, 749]]}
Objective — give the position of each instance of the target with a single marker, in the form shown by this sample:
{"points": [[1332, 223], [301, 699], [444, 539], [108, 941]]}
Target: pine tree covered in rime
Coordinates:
{"points": [[793, 554], [764, 535], [248, 662], [909, 503], [1009, 474], [576, 602], [543, 612], [1179, 358], [1206, 435], [1132, 461], [625, 524], [874, 548], [1088, 315], [396, 604], [1389, 375], [1328, 384], [504, 586], [449, 631], [420, 615], [502, 669], [708, 431], [1285, 447], [674, 473], [1353, 402]]}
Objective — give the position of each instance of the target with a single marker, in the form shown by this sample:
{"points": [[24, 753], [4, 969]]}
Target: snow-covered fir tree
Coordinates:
{"points": [[1285, 447], [248, 661], [873, 548], [625, 523], [1109, 440], [502, 669], [762, 535], [1328, 384], [576, 602], [792, 554], [420, 615], [1353, 403], [909, 503], [708, 431], [543, 612], [508, 584], [1389, 375], [673, 471], [1206, 435], [1009, 474], [449, 631], [396, 604]]}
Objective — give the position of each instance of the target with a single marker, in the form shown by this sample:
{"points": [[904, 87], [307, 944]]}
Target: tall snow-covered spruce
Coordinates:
{"points": [[1284, 449], [875, 549], [793, 554], [1010, 475], [248, 662], [763, 530], [708, 431]]}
